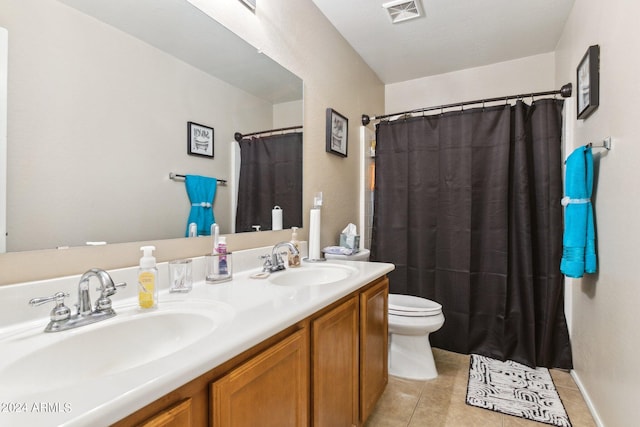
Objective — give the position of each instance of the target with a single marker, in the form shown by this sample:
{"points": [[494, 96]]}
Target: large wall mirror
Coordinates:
{"points": [[100, 93]]}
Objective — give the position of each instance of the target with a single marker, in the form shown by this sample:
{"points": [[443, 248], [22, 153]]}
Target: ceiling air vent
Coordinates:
{"points": [[403, 10]]}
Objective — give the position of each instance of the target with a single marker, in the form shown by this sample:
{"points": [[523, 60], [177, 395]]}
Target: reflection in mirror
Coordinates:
{"points": [[99, 96], [270, 182]]}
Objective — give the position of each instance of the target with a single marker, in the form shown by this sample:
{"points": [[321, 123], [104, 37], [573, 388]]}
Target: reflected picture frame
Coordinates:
{"points": [[337, 133], [588, 83], [199, 140]]}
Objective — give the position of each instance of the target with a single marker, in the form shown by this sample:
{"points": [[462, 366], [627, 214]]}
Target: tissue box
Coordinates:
{"points": [[351, 242]]}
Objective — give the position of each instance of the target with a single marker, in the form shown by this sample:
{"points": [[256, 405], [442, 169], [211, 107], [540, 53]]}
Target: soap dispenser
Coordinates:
{"points": [[147, 279], [294, 260]]}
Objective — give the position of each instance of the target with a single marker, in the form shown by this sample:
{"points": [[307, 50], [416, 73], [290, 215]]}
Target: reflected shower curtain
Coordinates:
{"points": [[270, 175], [468, 209]]}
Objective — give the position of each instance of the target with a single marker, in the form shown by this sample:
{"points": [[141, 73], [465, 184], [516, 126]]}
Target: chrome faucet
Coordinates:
{"points": [[61, 317], [274, 262]]}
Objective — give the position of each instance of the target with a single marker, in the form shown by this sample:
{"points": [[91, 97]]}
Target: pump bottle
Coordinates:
{"points": [[147, 279], [294, 260]]}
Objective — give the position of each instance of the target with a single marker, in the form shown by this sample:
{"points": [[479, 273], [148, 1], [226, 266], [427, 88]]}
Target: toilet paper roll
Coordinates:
{"points": [[314, 234], [276, 218]]}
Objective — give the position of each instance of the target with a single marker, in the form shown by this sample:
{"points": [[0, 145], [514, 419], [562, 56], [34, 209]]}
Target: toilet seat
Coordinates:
{"points": [[418, 325], [412, 306]]}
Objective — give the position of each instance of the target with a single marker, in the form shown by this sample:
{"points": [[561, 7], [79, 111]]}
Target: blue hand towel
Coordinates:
{"points": [[202, 192], [579, 251]]}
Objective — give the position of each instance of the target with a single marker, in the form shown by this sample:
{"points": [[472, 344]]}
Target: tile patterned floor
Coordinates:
{"points": [[441, 402]]}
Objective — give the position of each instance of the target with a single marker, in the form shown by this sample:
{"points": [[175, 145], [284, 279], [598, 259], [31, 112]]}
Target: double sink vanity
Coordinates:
{"points": [[304, 346]]}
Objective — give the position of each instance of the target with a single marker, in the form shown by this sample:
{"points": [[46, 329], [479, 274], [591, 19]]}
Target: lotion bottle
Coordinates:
{"points": [[294, 260], [147, 279], [222, 251]]}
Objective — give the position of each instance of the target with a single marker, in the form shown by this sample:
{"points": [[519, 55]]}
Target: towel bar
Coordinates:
{"points": [[606, 144], [176, 175]]}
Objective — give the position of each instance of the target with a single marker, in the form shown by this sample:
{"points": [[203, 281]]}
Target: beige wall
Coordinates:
{"points": [[525, 75], [299, 37], [605, 340]]}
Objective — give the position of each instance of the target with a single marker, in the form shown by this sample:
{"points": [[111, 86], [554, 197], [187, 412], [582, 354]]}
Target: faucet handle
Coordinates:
{"points": [[58, 297], [104, 303], [60, 311], [267, 264], [278, 257], [111, 289]]}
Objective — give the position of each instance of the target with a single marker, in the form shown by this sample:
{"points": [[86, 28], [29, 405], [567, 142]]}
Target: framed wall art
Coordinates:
{"points": [[337, 133], [200, 140], [588, 82]]}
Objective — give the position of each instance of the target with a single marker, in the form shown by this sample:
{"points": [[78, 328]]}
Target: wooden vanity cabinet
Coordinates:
{"points": [[334, 367], [178, 415], [374, 337], [349, 358], [270, 390], [327, 370]]}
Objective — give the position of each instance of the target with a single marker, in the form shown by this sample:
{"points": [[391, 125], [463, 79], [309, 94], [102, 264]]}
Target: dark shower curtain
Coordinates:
{"points": [[270, 175], [468, 209]]}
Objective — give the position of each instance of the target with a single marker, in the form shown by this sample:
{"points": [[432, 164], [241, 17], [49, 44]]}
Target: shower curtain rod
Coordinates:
{"points": [[238, 136], [565, 91]]}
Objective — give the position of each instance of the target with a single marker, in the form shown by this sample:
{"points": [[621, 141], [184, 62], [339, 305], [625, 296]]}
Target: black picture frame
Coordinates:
{"points": [[337, 133], [588, 83], [200, 140]]}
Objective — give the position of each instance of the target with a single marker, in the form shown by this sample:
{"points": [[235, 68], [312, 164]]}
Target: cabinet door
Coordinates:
{"points": [[179, 415], [272, 389], [373, 346], [334, 341]]}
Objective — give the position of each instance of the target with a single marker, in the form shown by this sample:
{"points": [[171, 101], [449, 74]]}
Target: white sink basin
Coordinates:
{"points": [[316, 274], [48, 361]]}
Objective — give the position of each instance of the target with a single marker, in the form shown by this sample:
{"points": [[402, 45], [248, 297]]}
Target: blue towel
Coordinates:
{"points": [[202, 192], [579, 251]]}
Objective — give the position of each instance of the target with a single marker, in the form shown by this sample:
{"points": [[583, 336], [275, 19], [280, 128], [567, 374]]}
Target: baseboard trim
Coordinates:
{"points": [[587, 399]]}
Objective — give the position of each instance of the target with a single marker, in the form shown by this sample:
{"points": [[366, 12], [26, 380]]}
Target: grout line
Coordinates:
{"points": [[416, 405]]}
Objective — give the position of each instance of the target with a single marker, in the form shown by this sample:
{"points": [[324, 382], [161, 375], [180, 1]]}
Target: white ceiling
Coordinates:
{"points": [[452, 35]]}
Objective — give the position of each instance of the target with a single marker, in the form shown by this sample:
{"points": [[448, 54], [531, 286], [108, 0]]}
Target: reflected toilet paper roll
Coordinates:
{"points": [[276, 218]]}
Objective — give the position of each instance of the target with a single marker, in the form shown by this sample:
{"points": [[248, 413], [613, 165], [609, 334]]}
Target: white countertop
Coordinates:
{"points": [[259, 310]]}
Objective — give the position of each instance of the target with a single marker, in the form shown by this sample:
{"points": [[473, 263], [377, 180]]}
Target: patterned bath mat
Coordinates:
{"points": [[515, 389]]}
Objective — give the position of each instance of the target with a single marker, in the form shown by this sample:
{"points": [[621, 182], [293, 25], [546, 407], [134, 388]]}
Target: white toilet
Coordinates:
{"points": [[411, 320]]}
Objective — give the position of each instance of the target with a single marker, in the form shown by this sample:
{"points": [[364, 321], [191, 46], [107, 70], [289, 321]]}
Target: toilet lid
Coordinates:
{"points": [[409, 305]]}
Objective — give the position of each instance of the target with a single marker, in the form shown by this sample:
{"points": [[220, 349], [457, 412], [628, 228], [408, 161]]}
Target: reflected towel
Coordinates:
{"points": [[579, 252], [202, 192]]}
